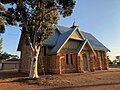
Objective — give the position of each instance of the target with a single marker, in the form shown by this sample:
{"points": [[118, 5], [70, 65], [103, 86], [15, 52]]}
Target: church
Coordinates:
{"points": [[67, 50]]}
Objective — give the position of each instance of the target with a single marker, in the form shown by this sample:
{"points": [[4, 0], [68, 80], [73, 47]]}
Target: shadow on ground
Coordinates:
{"points": [[5, 74], [107, 77]]}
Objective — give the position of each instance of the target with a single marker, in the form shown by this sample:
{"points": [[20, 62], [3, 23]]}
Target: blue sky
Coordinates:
{"points": [[98, 17]]}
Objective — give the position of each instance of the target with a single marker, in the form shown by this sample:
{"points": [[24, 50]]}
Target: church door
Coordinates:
{"points": [[85, 62]]}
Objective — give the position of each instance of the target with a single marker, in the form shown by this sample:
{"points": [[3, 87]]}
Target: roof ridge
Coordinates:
{"points": [[85, 32], [63, 26], [59, 46]]}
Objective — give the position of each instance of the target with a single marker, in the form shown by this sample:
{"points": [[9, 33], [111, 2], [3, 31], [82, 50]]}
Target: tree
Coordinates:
{"points": [[109, 61], [1, 40], [37, 19], [3, 10], [117, 57], [4, 56]]}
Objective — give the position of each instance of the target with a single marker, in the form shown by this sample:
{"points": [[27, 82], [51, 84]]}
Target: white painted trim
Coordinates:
{"points": [[82, 37], [81, 33], [91, 47], [82, 46], [66, 40]]}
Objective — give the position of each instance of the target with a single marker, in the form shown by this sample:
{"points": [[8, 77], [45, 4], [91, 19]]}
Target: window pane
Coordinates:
{"points": [[67, 59], [71, 57], [44, 50]]}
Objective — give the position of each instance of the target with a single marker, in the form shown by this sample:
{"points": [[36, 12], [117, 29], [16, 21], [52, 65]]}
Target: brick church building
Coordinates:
{"points": [[67, 50]]}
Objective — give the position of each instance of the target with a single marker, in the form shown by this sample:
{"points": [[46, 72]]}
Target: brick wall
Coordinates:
{"points": [[57, 63], [97, 62], [70, 65], [25, 59], [101, 60]]}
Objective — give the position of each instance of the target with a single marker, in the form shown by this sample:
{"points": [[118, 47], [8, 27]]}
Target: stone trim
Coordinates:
{"points": [[79, 64]]}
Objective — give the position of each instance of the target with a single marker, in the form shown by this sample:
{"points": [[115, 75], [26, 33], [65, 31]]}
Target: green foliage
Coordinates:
{"points": [[3, 10], [109, 61], [117, 60], [2, 25], [8, 1], [118, 57], [4, 56], [38, 17], [66, 7]]}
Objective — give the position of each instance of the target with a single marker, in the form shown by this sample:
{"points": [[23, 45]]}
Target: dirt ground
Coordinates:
{"points": [[99, 80]]}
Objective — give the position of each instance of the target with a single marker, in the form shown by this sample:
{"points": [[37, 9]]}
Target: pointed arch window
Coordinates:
{"points": [[67, 62], [71, 58]]}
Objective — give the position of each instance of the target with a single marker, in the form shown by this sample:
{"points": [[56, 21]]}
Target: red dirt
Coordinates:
{"points": [[100, 80]]}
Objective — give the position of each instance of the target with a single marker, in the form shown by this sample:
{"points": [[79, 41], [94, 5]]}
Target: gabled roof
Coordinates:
{"points": [[52, 40], [96, 45], [61, 35], [63, 38], [66, 32], [83, 44], [63, 29]]}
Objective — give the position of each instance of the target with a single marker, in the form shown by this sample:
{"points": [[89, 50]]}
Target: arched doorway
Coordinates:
{"points": [[85, 62]]}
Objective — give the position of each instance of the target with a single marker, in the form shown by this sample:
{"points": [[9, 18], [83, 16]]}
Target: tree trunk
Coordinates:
{"points": [[34, 64]]}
